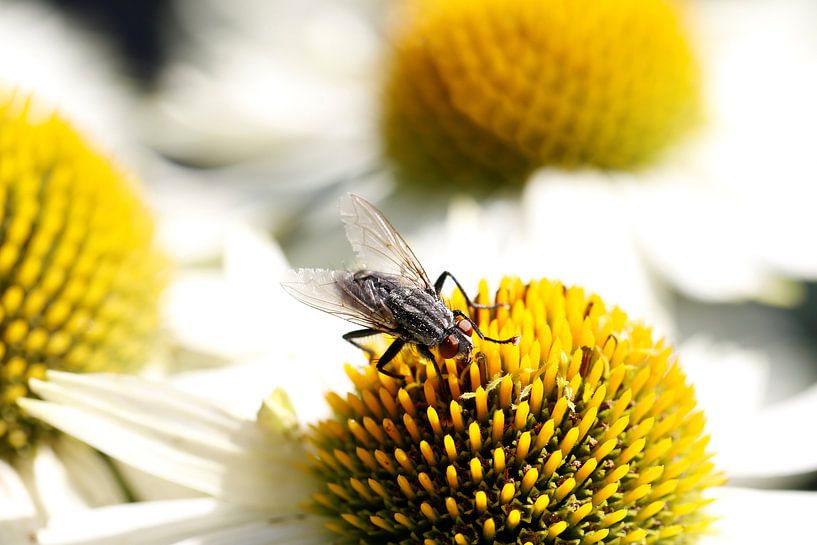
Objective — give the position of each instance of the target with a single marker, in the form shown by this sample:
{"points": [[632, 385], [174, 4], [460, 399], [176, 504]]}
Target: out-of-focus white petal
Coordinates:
{"points": [[42, 53], [754, 441], [174, 436], [195, 214], [196, 312], [261, 76], [775, 441], [760, 517], [244, 303], [572, 227], [147, 487], [730, 382], [252, 262], [18, 514], [699, 241], [193, 521], [240, 386], [250, 318], [580, 230], [248, 467], [198, 211], [147, 523], [731, 214], [70, 479], [63, 476], [14, 496], [286, 532], [87, 472], [760, 79]]}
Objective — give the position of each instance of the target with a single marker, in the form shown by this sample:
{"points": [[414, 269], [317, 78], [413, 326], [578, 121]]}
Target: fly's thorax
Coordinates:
{"points": [[422, 316]]}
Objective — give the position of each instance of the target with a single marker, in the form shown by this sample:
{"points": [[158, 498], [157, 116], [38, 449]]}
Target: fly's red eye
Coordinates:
{"points": [[449, 347], [466, 327]]}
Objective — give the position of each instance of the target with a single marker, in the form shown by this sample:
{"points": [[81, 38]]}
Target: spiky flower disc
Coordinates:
{"points": [[586, 432], [79, 276], [481, 92]]}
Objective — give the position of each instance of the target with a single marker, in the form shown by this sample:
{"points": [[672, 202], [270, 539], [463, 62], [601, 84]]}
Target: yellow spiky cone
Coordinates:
{"points": [[79, 274], [480, 93], [586, 432]]}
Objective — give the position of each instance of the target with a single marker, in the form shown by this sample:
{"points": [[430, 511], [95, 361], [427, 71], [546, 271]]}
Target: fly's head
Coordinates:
{"points": [[458, 343]]}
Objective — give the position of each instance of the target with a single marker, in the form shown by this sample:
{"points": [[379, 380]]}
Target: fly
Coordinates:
{"points": [[390, 293]]}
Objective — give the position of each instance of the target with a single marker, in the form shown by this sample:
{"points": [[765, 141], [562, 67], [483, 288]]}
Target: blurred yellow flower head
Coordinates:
{"points": [[481, 92], [586, 432], [79, 275]]}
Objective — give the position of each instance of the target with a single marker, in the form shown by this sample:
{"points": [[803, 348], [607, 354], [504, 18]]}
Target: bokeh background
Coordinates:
{"points": [[247, 120]]}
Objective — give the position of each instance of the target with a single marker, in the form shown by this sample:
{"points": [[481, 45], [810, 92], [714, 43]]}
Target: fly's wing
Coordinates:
{"points": [[321, 289], [378, 246]]}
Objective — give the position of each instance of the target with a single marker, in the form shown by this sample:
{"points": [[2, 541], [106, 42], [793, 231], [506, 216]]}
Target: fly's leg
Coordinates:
{"points": [[393, 349], [426, 351], [509, 340], [359, 334], [387, 356], [438, 286]]}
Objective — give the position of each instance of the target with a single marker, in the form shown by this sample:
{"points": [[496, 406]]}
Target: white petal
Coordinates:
{"points": [[697, 241], [148, 487], [139, 399], [214, 326], [750, 434], [253, 263], [18, 515], [148, 523], [246, 313], [579, 230], [194, 213], [14, 496], [175, 436], [88, 473], [776, 441], [243, 302], [193, 521], [762, 517], [57, 485], [735, 213], [249, 317], [560, 228], [748, 516], [42, 53], [715, 369], [299, 375], [287, 58], [284, 532]]}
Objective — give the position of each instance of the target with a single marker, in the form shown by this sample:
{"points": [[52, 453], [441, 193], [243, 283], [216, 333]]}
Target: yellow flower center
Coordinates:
{"points": [[79, 277], [586, 432], [481, 92]]}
